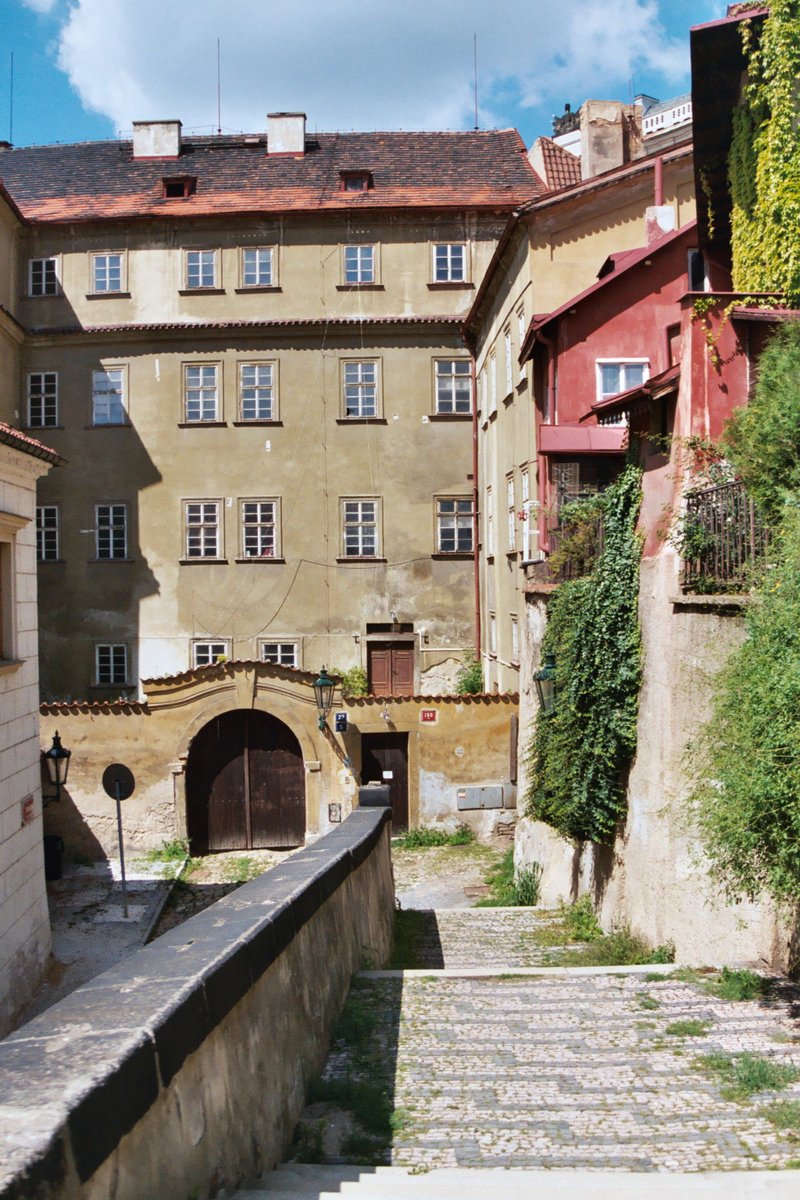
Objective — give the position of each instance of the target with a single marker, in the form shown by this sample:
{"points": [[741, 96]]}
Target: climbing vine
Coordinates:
{"points": [[764, 159], [580, 755]]}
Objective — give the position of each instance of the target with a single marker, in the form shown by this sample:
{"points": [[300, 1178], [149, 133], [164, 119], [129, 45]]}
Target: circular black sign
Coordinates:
{"points": [[118, 781]]}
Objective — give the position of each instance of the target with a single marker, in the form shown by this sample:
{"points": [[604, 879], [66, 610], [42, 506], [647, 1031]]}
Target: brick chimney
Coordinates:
{"points": [[156, 139], [286, 133]]}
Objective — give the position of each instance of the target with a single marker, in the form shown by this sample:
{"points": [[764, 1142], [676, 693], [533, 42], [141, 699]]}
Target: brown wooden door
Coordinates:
{"points": [[245, 785], [383, 753], [390, 668]]}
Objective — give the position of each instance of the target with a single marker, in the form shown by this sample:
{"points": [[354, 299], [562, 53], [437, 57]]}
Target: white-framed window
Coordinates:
{"points": [[492, 633], [361, 528], [111, 530], [619, 375], [200, 392], [47, 533], [449, 262], [509, 362], [489, 521], [108, 396], [492, 383], [453, 378], [514, 638], [257, 391], [358, 264], [455, 524], [43, 399], [111, 663], [525, 488], [283, 653], [202, 529], [511, 510], [360, 388], [205, 654], [201, 269], [260, 528], [107, 273], [43, 277], [521, 337], [257, 267]]}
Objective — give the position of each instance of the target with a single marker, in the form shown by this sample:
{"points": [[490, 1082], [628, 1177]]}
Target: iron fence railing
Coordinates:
{"points": [[721, 538], [575, 547]]}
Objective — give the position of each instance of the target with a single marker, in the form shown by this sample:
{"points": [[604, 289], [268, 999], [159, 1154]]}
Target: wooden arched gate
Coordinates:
{"points": [[245, 784]]}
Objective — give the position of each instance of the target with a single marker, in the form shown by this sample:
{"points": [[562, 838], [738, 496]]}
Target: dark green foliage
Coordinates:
{"points": [[738, 985], [509, 890], [580, 755], [620, 948], [580, 921], [762, 439], [579, 538], [427, 836], [469, 680], [742, 1075]]}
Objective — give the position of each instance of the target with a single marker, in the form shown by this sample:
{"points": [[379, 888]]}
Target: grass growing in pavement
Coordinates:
{"points": [[688, 1028], [173, 851], [620, 948], [785, 1115], [742, 1075], [737, 985], [646, 1001], [241, 870], [426, 836], [508, 891]]}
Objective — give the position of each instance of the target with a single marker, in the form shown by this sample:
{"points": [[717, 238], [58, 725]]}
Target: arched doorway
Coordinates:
{"points": [[245, 784]]}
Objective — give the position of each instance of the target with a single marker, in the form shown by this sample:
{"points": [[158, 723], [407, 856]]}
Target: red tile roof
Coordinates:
{"points": [[101, 180], [28, 445], [562, 169]]}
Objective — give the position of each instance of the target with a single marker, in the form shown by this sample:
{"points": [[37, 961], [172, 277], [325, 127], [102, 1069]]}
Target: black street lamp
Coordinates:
{"points": [[57, 760], [545, 680], [324, 688]]}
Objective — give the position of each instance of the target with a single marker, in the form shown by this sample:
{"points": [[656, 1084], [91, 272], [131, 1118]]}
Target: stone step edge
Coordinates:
{"points": [[500, 972]]}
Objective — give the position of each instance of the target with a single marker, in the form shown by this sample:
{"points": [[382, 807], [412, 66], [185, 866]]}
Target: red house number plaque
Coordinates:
{"points": [[428, 716]]}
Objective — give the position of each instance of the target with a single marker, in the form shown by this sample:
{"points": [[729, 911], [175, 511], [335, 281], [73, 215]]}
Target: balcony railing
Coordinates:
{"points": [[722, 538]]}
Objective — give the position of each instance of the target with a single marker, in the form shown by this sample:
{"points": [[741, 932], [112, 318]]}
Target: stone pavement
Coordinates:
{"points": [[489, 938]]}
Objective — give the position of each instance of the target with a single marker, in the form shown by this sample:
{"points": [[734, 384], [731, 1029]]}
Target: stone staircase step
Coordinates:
{"points": [[497, 938]]}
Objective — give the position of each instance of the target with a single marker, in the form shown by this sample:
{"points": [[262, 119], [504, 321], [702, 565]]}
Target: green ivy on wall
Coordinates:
{"points": [[580, 755], [764, 159]]}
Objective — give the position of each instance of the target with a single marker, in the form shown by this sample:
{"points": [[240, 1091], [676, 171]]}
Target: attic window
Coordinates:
{"points": [[178, 187], [355, 181]]}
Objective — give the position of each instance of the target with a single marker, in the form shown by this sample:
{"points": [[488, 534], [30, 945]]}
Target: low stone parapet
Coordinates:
{"points": [[183, 1069]]}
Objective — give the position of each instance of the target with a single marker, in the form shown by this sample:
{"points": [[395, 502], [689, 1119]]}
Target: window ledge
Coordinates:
{"points": [[450, 416], [257, 421], [201, 291], [361, 421], [360, 287], [110, 560], [9, 665], [509, 397], [450, 284], [108, 295], [458, 555], [109, 425], [261, 560], [39, 429], [53, 561], [202, 424], [50, 296], [203, 562], [512, 553], [354, 558], [256, 289]]}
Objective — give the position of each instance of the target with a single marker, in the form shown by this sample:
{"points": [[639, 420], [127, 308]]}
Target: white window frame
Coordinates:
{"points": [[449, 375], [492, 635], [109, 391], [258, 390], [511, 507], [525, 489], [361, 527], [111, 532], [259, 263], [201, 270], [43, 276], [509, 362], [282, 651], [455, 517], [622, 363], [361, 389], [359, 264], [46, 398], [48, 533], [521, 330], [115, 667], [260, 528], [201, 393], [449, 262], [206, 653], [105, 265], [492, 383], [204, 517], [489, 521], [514, 638]]}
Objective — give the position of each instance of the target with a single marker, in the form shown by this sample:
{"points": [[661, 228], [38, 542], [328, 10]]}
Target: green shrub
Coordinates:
{"points": [[580, 921], [427, 836], [738, 985], [353, 681], [469, 680], [620, 948], [508, 890], [742, 1075]]}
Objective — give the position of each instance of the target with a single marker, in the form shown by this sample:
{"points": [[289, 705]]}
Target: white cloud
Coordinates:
{"points": [[363, 64], [40, 6]]}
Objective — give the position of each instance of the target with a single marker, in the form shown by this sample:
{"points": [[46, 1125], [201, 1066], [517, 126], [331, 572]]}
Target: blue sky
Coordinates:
{"points": [[85, 69]]}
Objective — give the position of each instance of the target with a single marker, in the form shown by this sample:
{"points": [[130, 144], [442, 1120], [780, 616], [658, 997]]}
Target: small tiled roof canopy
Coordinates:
{"points": [[102, 180]]}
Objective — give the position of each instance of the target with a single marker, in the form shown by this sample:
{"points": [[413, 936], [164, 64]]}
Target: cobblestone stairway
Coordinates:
{"points": [[580, 1080]]}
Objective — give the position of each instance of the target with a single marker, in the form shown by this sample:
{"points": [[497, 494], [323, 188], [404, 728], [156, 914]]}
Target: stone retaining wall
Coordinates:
{"points": [[182, 1070]]}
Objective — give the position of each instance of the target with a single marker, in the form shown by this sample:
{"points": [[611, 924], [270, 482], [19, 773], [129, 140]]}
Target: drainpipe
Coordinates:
{"points": [[543, 474], [658, 180], [476, 538]]}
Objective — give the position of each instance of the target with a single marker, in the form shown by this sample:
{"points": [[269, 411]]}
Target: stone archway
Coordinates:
{"points": [[245, 784]]}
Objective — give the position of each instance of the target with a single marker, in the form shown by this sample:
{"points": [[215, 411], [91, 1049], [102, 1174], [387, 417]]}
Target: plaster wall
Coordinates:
{"points": [[654, 878], [24, 920]]}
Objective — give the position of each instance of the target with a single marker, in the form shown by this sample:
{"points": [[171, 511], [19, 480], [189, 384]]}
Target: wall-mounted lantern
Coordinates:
{"points": [[57, 760], [545, 680], [324, 688]]}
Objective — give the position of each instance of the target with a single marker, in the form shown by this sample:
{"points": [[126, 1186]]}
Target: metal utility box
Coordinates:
{"points": [[374, 795], [486, 795]]}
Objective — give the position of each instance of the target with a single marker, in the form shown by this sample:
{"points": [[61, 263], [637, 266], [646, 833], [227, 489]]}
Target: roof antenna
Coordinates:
{"points": [[475, 66], [11, 103], [219, 94]]}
